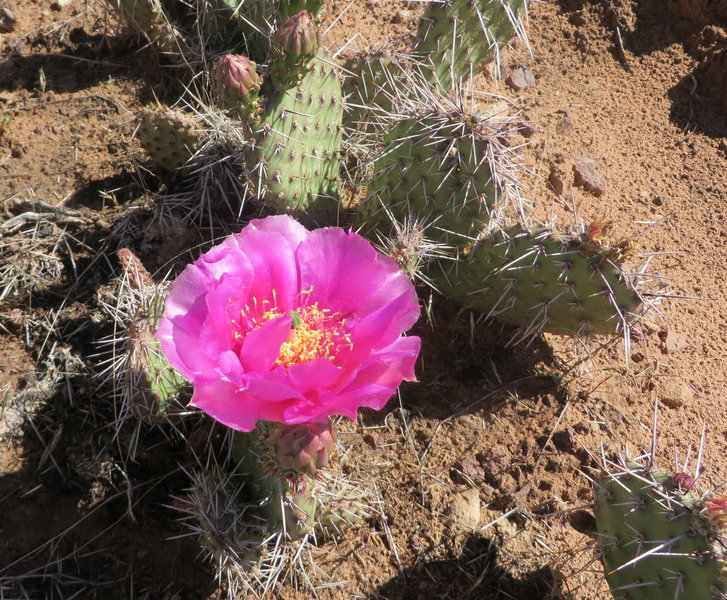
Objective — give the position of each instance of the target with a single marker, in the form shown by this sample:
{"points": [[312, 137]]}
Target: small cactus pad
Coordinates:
{"points": [[147, 17], [657, 541], [288, 496], [541, 281], [458, 37], [148, 382], [295, 163], [170, 137]]}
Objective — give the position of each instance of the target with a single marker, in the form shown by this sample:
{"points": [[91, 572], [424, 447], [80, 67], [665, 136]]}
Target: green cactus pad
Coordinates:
{"points": [[148, 17], [170, 137], [458, 37], [541, 281], [657, 542], [296, 162], [436, 169], [152, 385]]}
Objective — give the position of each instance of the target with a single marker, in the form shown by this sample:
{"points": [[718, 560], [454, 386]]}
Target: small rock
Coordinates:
{"points": [[495, 461], [465, 509], [58, 4], [528, 130], [520, 78], [723, 146], [468, 471], [674, 393], [7, 20], [589, 178], [471, 422], [565, 126]]}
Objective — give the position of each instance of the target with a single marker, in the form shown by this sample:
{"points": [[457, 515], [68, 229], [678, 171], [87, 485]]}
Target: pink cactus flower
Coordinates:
{"points": [[284, 324]]}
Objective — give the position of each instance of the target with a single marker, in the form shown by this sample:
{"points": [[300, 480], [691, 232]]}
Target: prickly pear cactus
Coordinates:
{"points": [[656, 538], [434, 167], [448, 171], [295, 492], [296, 162], [170, 137]]}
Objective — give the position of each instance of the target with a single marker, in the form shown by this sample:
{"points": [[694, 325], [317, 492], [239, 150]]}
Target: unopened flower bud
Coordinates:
{"points": [[292, 46], [303, 448], [238, 83]]}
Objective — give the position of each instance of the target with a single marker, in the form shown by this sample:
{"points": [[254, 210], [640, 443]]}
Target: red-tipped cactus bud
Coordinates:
{"points": [[684, 480], [292, 47], [303, 448], [717, 511], [238, 84]]}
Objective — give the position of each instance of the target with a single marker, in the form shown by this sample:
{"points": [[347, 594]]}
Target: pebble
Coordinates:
{"points": [[7, 20], [723, 146], [59, 4], [465, 510], [673, 342], [565, 126], [674, 393], [520, 79], [589, 178]]}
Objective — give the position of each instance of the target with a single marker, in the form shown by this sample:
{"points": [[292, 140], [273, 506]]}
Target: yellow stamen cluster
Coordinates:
{"points": [[319, 334], [315, 333]]}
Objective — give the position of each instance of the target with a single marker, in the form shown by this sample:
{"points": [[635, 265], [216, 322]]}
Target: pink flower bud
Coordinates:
{"points": [[297, 36], [235, 77]]}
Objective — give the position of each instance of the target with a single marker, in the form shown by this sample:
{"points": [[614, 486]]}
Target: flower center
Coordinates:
{"points": [[315, 333]]}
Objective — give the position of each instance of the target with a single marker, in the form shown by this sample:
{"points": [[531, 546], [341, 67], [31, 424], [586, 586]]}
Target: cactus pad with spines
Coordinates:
{"points": [[296, 162], [435, 168], [657, 541], [539, 280], [290, 495], [458, 37], [170, 137], [148, 17]]}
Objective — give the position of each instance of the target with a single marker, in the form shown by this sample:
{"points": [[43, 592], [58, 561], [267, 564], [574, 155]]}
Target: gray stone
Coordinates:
{"points": [[520, 79], [7, 20], [587, 177]]}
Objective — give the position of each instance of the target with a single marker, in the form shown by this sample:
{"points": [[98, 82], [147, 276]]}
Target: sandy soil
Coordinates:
{"points": [[622, 87]]}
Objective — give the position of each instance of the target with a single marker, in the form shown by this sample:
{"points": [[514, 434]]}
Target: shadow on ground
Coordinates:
{"points": [[473, 575]]}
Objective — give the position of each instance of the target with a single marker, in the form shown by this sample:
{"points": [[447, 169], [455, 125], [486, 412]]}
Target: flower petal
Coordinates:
{"points": [[345, 271], [261, 346]]}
